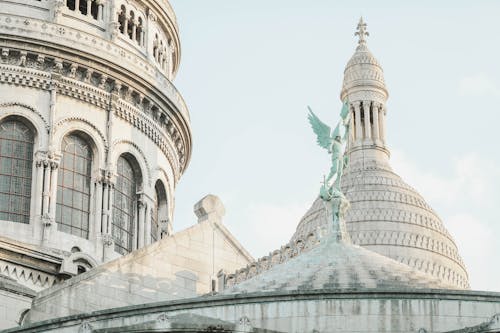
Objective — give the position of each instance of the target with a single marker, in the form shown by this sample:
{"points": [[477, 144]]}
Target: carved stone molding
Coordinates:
{"points": [[99, 96], [94, 87], [143, 157], [85, 121], [26, 106]]}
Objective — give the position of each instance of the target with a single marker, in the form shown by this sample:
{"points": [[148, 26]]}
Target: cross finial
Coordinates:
{"points": [[362, 33]]}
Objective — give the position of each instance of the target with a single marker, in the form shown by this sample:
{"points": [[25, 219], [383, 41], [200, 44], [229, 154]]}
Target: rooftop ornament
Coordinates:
{"points": [[330, 192], [362, 33]]}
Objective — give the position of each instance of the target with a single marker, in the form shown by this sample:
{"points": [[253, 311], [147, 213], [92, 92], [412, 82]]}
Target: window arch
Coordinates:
{"points": [[159, 211], [16, 163], [125, 204], [73, 186]]}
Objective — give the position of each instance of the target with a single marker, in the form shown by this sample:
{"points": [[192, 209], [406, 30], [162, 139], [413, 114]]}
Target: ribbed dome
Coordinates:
{"points": [[389, 217], [363, 74], [338, 265], [386, 216]]}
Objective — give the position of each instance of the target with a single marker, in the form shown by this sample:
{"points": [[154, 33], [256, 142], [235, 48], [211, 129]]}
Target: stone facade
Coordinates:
{"points": [[93, 140], [179, 266], [86, 100], [299, 311]]}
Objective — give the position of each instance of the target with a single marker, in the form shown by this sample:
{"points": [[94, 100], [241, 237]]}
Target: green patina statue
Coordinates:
{"points": [[333, 141]]}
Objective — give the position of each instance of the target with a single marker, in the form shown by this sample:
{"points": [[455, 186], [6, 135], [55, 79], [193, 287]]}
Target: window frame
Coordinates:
{"points": [[33, 177], [60, 205], [133, 228]]}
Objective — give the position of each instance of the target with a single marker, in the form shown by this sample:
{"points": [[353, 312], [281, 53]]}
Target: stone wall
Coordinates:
{"points": [[15, 300], [180, 266], [317, 311]]}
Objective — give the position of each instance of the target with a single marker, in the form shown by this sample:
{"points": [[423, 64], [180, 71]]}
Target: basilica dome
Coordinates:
{"points": [[387, 215]]}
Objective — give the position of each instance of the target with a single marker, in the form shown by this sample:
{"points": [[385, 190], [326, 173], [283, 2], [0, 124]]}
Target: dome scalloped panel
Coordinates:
{"points": [[389, 217], [363, 71]]}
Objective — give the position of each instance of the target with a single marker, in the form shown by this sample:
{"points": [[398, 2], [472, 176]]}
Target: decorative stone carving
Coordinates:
{"points": [[85, 327]]}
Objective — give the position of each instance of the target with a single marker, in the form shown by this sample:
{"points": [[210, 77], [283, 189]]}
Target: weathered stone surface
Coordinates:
{"points": [[179, 266], [323, 311]]}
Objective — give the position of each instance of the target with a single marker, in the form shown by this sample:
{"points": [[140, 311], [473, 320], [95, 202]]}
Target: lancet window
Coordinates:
{"points": [[16, 162], [73, 186]]}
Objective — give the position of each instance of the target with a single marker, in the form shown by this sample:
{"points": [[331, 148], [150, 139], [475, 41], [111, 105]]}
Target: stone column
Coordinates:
{"points": [[134, 29], [366, 110], [151, 18], [170, 60], [114, 25], [350, 142], [376, 132], [106, 222], [358, 135], [100, 7], [98, 205], [382, 112], [46, 188], [89, 7], [39, 186], [147, 229], [109, 221], [54, 167], [141, 212], [77, 5], [105, 208]]}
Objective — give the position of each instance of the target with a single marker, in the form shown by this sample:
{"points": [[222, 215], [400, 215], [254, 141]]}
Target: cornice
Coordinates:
{"points": [[94, 86], [89, 50]]}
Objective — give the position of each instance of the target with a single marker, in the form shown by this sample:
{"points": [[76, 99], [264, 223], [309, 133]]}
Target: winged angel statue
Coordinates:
{"points": [[333, 142]]}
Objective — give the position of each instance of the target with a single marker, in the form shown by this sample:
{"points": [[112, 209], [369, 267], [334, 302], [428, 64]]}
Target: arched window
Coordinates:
{"points": [[159, 211], [16, 163], [124, 206], [73, 186]]}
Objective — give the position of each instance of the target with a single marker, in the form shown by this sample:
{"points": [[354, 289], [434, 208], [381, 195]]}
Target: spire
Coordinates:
{"points": [[362, 33], [365, 89]]}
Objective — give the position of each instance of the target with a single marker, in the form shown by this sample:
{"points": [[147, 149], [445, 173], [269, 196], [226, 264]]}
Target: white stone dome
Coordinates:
{"points": [[387, 215], [391, 218], [363, 77]]}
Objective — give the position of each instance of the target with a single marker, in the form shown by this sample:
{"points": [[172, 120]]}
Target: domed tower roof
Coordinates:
{"points": [[363, 73], [335, 263], [387, 215]]}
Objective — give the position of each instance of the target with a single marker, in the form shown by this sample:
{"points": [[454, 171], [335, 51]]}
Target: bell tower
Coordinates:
{"points": [[365, 90]]}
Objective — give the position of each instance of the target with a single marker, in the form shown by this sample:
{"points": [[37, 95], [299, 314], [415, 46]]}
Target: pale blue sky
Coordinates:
{"points": [[249, 68]]}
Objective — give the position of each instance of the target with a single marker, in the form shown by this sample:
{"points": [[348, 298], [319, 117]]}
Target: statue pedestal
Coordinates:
{"points": [[335, 209]]}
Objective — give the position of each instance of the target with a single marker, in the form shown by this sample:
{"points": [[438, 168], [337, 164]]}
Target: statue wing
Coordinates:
{"points": [[322, 130]]}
